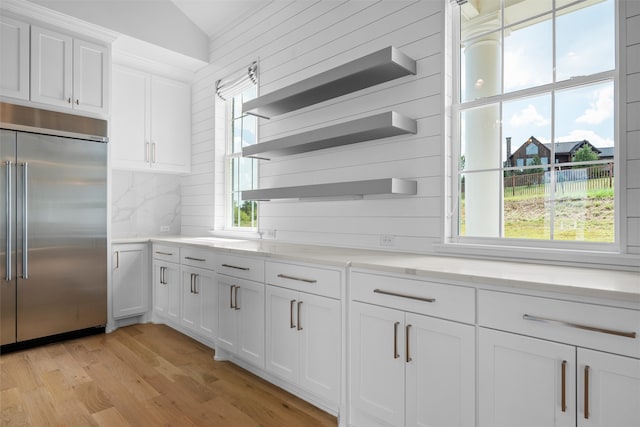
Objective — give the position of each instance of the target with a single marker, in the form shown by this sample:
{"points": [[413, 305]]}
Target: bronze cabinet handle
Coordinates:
{"points": [[564, 386], [291, 303], [236, 306], [299, 323], [395, 340], [586, 392], [407, 356]]}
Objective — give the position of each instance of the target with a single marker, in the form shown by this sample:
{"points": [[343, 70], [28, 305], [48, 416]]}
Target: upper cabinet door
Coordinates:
{"points": [[51, 67], [129, 131], [90, 68], [170, 125], [14, 51]]}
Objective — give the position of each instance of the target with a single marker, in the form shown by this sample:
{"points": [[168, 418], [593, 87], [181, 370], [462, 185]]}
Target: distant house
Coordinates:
{"points": [[564, 152]]}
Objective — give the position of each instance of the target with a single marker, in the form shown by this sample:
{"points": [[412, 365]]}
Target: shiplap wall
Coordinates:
{"points": [[633, 124], [295, 40]]}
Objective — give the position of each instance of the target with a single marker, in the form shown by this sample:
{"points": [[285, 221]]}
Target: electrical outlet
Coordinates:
{"points": [[165, 228], [387, 240]]}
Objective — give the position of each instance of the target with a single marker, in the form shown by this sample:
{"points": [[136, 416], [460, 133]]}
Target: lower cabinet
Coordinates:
{"points": [[303, 341], [531, 382], [199, 300], [410, 370], [552, 363], [241, 319], [304, 329], [166, 290], [166, 283], [130, 280]]}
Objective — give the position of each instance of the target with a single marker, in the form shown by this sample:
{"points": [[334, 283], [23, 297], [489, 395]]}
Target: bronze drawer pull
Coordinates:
{"points": [[579, 326], [284, 276], [395, 294], [237, 268]]}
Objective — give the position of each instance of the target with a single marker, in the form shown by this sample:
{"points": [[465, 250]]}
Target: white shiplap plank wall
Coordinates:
{"points": [[293, 41], [633, 123]]}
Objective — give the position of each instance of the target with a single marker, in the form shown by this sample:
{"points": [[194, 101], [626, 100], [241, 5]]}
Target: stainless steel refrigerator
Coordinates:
{"points": [[53, 222]]}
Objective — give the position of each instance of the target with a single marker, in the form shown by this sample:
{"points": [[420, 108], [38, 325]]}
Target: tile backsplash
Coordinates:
{"points": [[144, 204]]}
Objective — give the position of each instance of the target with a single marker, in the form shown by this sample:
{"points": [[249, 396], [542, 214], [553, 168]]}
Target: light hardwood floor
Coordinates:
{"points": [[141, 375]]}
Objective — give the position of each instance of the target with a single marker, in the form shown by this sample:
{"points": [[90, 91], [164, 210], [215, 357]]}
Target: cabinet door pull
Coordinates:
{"points": [[395, 340], [195, 259], [408, 357], [291, 303], [299, 279], [117, 259], [586, 392], [396, 294], [564, 386], [162, 282], [164, 253], [77, 101], [153, 152], [236, 267], [231, 296], [8, 223], [299, 323], [236, 306], [579, 326], [146, 151], [191, 290]]}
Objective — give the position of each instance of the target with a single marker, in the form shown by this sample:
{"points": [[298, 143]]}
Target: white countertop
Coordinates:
{"points": [[598, 283]]}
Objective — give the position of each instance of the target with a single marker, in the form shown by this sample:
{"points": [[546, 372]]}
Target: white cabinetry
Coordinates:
{"points": [[68, 72], [14, 51], [549, 377], [151, 122], [166, 282], [130, 284], [408, 368], [240, 309], [199, 292], [303, 321]]}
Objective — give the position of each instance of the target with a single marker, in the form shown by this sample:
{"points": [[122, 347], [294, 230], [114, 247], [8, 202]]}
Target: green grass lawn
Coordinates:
{"points": [[576, 217]]}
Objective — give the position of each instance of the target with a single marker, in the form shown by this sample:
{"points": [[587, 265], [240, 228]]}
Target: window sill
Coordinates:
{"points": [[236, 234], [552, 256]]}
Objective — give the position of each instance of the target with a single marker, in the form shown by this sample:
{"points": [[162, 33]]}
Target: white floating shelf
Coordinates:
{"points": [[378, 67], [386, 186], [368, 128]]}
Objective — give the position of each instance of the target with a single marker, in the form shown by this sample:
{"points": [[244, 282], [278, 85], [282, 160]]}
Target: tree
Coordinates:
{"points": [[584, 154]]}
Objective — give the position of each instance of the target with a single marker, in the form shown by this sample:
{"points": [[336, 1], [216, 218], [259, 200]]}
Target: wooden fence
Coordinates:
{"points": [[567, 181]]}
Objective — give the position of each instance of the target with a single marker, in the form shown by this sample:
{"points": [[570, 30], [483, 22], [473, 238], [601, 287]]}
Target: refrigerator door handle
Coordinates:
{"points": [[8, 218], [25, 223]]}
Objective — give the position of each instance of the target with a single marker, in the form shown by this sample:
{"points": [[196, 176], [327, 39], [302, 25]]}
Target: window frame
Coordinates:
{"points": [[532, 250], [228, 179]]}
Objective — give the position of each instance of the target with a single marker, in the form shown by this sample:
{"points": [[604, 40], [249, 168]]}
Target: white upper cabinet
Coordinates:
{"points": [[14, 51], [170, 125], [68, 72], [150, 122]]}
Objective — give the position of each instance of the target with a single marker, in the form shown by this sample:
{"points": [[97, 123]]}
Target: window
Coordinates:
{"points": [[540, 70], [241, 173]]}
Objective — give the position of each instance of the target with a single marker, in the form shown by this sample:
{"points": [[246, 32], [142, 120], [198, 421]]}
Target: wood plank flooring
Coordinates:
{"points": [[141, 375]]}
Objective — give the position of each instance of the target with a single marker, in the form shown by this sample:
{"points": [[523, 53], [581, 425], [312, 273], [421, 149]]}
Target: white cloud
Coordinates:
{"points": [[589, 135], [528, 116], [600, 108]]}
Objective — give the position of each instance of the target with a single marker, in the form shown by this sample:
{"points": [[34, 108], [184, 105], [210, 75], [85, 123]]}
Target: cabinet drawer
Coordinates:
{"points": [[194, 257], [303, 278], [418, 296], [166, 253], [238, 266], [586, 325]]}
